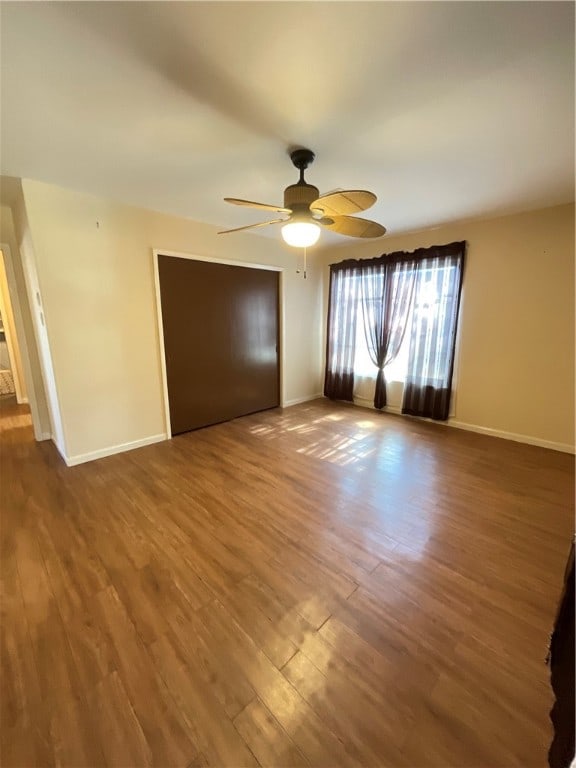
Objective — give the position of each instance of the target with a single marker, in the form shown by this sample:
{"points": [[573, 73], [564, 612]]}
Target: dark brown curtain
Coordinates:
{"points": [[387, 289], [341, 336], [428, 385]]}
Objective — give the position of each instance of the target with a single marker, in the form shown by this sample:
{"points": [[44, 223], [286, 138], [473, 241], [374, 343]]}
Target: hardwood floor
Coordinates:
{"points": [[320, 586]]}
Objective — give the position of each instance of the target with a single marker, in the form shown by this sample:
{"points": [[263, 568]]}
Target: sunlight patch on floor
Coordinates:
{"points": [[338, 450], [342, 449], [274, 431]]}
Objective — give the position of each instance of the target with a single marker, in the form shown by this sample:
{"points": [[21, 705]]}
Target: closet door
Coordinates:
{"points": [[221, 340]]}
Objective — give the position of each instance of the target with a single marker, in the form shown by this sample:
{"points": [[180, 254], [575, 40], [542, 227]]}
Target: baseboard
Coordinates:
{"points": [[297, 400], [365, 402], [81, 458], [528, 439], [45, 436], [22, 400]]}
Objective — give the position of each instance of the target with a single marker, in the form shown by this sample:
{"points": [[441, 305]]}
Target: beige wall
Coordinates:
{"points": [[95, 274], [516, 350]]}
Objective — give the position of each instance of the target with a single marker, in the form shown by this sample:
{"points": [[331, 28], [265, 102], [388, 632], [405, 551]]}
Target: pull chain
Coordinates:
{"points": [[304, 269]]}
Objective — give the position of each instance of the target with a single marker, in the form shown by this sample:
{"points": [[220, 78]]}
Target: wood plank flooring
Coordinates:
{"points": [[319, 586]]}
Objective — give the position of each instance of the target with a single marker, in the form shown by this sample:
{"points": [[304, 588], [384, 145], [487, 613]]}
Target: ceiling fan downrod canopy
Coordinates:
{"points": [[301, 159]]}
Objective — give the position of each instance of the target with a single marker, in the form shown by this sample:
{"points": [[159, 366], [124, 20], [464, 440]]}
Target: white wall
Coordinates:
{"points": [[515, 372], [95, 275]]}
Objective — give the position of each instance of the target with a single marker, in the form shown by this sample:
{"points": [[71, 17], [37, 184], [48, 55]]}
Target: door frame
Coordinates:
{"points": [[20, 306], [11, 331], [160, 325]]}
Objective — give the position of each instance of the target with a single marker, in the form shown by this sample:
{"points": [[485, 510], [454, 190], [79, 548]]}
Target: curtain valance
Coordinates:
{"points": [[433, 252]]}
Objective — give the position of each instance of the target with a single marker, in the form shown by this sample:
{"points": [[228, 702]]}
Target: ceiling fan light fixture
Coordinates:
{"points": [[310, 211], [300, 234]]}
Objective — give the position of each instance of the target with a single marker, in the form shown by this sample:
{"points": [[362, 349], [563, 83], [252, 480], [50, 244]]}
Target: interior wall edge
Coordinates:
{"points": [[29, 259]]}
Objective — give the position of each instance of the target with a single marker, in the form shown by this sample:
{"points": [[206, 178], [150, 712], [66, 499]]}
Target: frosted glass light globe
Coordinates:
{"points": [[301, 234]]}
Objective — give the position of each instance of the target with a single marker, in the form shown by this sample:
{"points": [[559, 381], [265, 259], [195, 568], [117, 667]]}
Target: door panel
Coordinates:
{"points": [[220, 339]]}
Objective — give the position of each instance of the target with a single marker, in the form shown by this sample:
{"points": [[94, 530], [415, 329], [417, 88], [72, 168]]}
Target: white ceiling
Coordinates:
{"points": [[446, 110]]}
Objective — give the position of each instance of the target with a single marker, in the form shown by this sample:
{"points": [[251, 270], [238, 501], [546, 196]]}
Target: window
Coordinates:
{"points": [[402, 310]]}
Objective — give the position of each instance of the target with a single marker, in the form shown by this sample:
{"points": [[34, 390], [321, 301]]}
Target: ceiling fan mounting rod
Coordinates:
{"points": [[302, 158]]}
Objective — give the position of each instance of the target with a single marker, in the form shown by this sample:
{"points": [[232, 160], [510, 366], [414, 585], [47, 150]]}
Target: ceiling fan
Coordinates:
{"points": [[308, 211]]}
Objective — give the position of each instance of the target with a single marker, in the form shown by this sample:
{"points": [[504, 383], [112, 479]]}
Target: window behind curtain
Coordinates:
{"points": [[341, 341], [428, 379], [363, 365], [424, 363]]}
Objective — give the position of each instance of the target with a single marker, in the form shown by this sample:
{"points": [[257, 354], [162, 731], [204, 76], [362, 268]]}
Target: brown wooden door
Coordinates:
{"points": [[220, 339]]}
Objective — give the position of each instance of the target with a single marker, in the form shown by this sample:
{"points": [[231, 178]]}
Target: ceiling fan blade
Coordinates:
{"points": [[263, 206], [252, 226], [343, 203], [354, 227]]}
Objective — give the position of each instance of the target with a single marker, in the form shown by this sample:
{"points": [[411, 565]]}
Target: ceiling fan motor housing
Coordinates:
{"points": [[298, 197]]}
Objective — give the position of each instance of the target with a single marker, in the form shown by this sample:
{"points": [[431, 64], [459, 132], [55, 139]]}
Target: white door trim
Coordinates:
{"points": [[160, 326]]}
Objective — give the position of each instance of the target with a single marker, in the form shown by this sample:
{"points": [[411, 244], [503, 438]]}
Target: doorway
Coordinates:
{"points": [[220, 328], [11, 371]]}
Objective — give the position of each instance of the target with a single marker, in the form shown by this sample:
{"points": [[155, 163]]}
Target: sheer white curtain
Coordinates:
{"points": [[428, 384], [386, 294], [342, 332]]}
